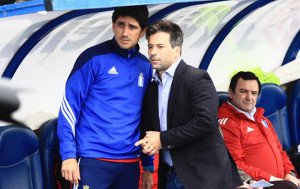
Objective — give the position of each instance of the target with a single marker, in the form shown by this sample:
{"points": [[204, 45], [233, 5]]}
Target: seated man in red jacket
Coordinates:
{"points": [[250, 137]]}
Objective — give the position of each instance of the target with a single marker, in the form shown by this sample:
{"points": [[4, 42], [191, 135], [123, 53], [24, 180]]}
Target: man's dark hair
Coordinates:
{"points": [[244, 76], [176, 34], [6, 2], [140, 13]]}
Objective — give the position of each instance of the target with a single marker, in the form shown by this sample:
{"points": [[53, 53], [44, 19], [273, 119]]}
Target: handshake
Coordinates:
{"points": [[151, 143]]}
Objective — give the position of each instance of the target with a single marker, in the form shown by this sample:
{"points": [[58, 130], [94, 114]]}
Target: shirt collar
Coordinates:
{"points": [[128, 54], [171, 71], [249, 115]]}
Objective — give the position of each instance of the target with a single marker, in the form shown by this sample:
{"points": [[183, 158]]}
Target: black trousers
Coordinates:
{"points": [[283, 184]]}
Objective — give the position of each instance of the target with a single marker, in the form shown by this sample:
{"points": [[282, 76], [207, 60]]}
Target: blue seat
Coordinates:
{"points": [[49, 151], [223, 97], [20, 164], [273, 99], [294, 113]]}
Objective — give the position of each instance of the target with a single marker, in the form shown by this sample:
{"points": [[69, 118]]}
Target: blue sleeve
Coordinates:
{"points": [[147, 160], [76, 90]]}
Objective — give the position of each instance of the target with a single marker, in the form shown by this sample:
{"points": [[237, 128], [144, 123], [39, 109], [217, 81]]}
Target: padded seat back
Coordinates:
{"points": [[49, 150], [223, 97], [294, 113], [20, 164], [273, 99]]}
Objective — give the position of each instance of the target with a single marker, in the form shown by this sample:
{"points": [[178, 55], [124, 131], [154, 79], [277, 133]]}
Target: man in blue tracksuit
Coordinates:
{"points": [[100, 111]]}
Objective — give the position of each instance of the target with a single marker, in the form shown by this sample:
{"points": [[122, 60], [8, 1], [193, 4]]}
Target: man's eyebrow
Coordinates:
{"points": [[120, 22], [133, 25], [247, 90], [158, 44]]}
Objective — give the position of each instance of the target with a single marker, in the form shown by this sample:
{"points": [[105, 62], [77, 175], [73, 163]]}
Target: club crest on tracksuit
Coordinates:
{"points": [[141, 80]]}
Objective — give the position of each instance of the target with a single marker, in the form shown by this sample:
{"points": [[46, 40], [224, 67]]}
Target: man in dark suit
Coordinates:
{"points": [[180, 115]]}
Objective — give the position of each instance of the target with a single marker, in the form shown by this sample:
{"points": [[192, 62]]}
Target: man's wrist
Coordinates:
{"points": [[248, 181], [293, 173], [149, 168]]}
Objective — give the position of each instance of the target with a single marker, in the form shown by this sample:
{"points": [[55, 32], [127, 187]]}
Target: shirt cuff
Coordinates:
{"points": [[149, 168]]}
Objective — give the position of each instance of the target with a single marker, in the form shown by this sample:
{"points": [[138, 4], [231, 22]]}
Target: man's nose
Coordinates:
{"points": [[249, 96], [125, 31], [153, 51]]}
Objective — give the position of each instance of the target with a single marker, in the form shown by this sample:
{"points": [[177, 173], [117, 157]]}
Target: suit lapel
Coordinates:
{"points": [[174, 89]]}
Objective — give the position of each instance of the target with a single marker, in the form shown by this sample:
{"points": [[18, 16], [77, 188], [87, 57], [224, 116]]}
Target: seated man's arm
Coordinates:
{"points": [[233, 136], [287, 164]]}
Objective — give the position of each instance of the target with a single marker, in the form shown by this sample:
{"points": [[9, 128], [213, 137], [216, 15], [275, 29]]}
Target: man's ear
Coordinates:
{"points": [[230, 93], [113, 26], [143, 32], [177, 50]]}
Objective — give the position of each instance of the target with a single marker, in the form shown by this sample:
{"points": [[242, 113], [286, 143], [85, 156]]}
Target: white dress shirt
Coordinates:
{"points": [[164, 86]]}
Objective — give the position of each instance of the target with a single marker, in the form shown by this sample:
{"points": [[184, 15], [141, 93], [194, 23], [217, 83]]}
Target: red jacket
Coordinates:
{"points": [[253, 144]]}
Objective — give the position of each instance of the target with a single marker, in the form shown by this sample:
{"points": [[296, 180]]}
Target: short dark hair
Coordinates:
{"points": [[140, 13], [176, 34], [244, 76]]}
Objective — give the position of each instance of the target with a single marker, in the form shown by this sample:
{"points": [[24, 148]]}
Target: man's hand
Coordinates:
{"points": [[292, 179], [147, 180], [151, 143], [70, 170], [245, 185]]}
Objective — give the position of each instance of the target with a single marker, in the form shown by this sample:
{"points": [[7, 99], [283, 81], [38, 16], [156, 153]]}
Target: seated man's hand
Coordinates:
{"points": [[292, 179], [246, 186]]}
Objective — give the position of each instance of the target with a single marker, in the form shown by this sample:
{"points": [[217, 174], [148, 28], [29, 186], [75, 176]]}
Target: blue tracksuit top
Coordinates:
{"points": [[101, 108]]}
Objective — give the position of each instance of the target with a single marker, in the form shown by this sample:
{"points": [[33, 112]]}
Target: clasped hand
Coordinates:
{"points": [[151, 143]]}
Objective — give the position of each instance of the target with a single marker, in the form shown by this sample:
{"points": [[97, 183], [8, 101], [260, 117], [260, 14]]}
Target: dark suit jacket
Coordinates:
{"points": [[197, 149]]}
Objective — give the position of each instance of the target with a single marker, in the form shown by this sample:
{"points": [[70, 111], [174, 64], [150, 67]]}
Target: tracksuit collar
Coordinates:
{"points": [[128, 54]]}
